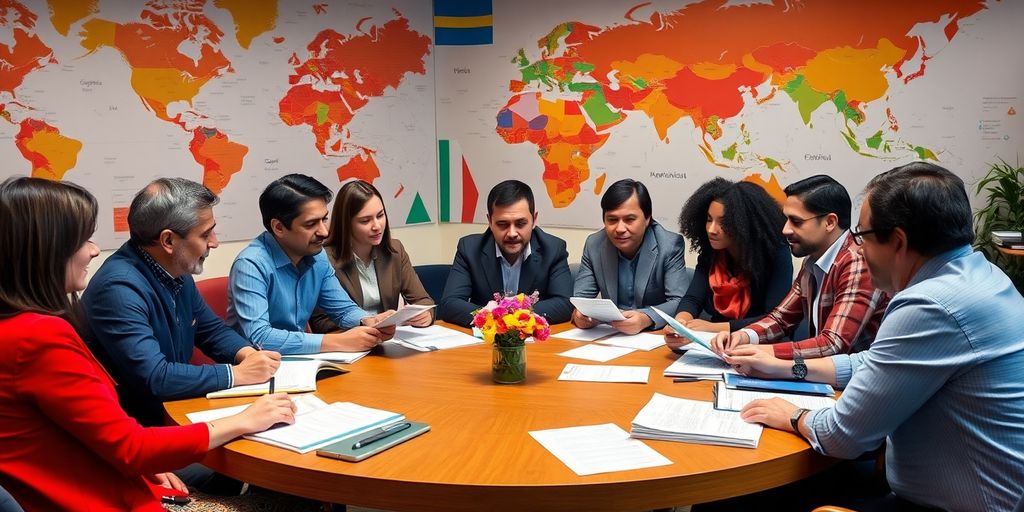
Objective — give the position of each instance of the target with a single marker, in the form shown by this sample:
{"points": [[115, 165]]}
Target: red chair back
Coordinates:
{"points": [[215, 293]]}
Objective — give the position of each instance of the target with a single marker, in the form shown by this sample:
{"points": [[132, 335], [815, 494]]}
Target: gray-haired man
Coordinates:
{"points": [[144, 314]]}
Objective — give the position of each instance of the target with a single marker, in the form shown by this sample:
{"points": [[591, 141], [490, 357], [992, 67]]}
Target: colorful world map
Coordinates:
{"points": [[708, 62], [185, 76]]}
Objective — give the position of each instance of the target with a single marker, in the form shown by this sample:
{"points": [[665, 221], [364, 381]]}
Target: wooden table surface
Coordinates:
{"points": [[478, 454]]}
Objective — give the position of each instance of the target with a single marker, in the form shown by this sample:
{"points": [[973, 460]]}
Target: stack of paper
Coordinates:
{"points": [[316, 423], [690, 421], [699, 364], [434, 337], [735, 399]]}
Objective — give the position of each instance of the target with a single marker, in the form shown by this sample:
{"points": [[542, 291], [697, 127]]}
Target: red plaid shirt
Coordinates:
{"points": [[849, 309]]}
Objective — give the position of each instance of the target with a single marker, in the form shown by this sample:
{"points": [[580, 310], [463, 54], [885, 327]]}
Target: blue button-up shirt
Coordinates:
{"points": [[270, 300], [943, 383]]}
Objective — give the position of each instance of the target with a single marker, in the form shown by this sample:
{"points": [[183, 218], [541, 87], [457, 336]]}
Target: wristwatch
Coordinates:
{"points": [[794, 420], [799, 368]]}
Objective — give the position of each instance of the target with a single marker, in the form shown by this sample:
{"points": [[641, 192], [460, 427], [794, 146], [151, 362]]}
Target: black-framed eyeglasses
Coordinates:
{"points": [[858, 235], [797, 221]]}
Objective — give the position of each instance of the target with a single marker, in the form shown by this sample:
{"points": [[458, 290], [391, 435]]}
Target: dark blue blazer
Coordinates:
{"points": [[476, 275]]}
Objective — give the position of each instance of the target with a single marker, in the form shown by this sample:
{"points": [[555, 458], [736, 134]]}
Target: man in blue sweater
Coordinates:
{"points": [[144, 314]]}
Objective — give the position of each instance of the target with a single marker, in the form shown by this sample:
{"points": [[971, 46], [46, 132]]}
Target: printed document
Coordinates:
{"points": [[643, 341], [434, 337], [595, 333], [602, 310], [735, 399], [597, 449], [691, 421], [404, 314], [605, 373], [599, 353]]}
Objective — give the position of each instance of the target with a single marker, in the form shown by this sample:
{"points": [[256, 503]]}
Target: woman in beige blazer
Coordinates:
{"points": [[372, 267]]}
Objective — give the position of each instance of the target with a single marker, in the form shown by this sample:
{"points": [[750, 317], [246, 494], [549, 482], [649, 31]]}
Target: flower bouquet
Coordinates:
{"points": [[506, 322]]}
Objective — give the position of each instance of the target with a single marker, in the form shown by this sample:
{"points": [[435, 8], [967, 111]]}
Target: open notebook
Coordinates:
{"points": [[293, 376], [317, 423]]}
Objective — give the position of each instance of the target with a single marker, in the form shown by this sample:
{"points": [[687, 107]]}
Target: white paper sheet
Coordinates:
{"points": [[700, 364], [434, 337], [599, 353], [602, 310], [699, 338], [303, 404], [322, 426], [594, 449], [337, 357], [404, 314], [735, 399], [597, 332], [605, 373], [643, 341]]}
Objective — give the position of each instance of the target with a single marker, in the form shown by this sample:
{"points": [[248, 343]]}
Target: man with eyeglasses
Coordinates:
{"points": [[833, 290], [941, 383]]}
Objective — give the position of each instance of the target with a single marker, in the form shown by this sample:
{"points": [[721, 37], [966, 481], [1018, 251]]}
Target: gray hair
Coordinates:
{"points": [[167, 203]]}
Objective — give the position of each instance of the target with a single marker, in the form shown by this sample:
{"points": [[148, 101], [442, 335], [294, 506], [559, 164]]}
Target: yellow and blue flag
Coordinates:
{"points": [[463, 22]]}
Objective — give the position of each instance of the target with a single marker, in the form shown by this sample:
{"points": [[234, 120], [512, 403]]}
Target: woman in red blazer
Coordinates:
{"points": [[65, 442]]}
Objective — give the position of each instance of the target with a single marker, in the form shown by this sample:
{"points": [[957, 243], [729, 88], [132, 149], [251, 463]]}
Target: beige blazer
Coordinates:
{"points": [[395, 277]]}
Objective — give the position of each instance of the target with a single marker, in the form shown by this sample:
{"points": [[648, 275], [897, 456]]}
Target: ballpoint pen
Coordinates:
{"points": [[386, 432], [259, 346]]}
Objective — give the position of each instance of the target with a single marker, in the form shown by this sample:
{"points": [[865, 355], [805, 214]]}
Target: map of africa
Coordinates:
{"points": [[232, 93], [674, 93]]}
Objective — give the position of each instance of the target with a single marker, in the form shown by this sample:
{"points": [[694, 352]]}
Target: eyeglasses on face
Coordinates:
{"points": [[797, 221], [858, 235]]}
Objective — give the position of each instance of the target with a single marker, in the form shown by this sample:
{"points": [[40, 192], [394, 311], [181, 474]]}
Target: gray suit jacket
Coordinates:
{"points": [[661, 278]]}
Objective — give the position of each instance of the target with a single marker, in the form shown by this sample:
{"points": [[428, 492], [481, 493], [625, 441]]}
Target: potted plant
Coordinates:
{"points": [[1003, 189]]}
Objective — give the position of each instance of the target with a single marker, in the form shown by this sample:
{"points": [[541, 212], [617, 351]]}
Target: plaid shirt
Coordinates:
{"points": [[849, 310]]}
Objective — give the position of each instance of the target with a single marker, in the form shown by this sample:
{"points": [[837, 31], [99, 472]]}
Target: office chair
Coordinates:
{"points": [[433, 278]]}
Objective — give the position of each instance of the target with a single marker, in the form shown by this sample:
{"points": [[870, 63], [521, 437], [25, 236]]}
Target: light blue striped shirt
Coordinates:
{"points": [[944, 383], [270, 300]]}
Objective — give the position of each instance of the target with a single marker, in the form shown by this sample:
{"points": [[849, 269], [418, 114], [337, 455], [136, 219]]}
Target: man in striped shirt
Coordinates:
{"points": [[942, 383]]}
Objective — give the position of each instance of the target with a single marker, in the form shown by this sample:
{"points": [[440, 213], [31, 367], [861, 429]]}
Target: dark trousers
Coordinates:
{"points": [[206, 480]]}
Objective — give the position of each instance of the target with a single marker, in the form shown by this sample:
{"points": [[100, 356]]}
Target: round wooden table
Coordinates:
{"points": [[478, 454]]}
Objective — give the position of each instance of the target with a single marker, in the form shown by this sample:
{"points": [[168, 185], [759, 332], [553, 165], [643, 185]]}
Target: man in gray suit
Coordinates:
{"points": [[633, 261]]}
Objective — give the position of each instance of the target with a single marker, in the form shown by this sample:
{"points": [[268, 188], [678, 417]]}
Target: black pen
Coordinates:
{"points": [[259, 346], [386, 432]]}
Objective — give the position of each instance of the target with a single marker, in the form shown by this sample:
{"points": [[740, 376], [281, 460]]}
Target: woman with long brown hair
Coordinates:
{"points": [[65, 442], [373, 268]]}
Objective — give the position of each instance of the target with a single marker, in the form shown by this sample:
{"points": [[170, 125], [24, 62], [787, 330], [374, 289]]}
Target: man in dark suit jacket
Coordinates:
{"points": [[511, 256], [633, 261]]}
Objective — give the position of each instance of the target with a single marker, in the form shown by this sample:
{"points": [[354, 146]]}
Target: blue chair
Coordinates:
{"points": [[7, 503], [433, 278]]}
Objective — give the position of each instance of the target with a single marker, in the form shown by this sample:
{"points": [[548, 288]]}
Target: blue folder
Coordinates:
{"points": [[785, 386]]}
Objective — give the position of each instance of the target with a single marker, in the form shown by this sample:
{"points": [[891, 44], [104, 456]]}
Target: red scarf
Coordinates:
{"points": [[730, 294]]}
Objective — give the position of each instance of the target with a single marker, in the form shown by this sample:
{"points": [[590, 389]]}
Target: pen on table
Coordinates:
{"points": [[686, 379], [387, 431], [259, 346]]}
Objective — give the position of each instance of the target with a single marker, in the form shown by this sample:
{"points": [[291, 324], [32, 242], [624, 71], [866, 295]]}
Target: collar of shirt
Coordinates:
{"points": [[937, 262], [824, 263], [522, 256], [279, 257], [174, 284]]}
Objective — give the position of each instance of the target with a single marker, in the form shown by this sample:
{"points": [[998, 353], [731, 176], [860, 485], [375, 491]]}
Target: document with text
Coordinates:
{"points": [[735, 399], [594, 449], [599, 353], [643, 341], [605, 373], [602, 310], [678, 419]]}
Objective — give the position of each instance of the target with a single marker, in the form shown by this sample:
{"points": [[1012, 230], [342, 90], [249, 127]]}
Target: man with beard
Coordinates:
{"points": [[144, 315], [283, 275], [833, 290], [512, 256]]}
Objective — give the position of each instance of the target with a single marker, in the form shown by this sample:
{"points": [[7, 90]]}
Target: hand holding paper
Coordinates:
{"points": [[602, 310], [403, 315], [693, 336]]}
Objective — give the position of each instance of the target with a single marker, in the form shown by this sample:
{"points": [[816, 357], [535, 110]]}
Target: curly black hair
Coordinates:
{"points": [[753, 220]]}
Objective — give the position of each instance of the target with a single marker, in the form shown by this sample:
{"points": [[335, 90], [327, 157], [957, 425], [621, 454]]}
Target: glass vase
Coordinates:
{"points": [[508, 364]]}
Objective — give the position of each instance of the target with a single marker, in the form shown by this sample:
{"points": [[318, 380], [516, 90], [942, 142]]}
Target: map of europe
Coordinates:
{"points": [[708, 62]]}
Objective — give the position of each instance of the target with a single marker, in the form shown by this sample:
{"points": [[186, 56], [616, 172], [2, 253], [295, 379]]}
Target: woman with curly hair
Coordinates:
{"points": [[744, 266]]}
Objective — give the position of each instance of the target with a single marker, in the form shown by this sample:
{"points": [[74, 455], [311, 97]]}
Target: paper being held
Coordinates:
{"points": [[406, 313], [602, 310]]}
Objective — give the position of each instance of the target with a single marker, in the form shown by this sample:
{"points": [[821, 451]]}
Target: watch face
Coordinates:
{"points": [[800, 371]]}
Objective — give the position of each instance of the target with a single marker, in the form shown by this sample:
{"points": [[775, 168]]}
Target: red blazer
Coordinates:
{"points": [[65, 442]]}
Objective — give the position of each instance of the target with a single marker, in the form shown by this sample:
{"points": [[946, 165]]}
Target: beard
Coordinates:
{"points": [[185, 261]]}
